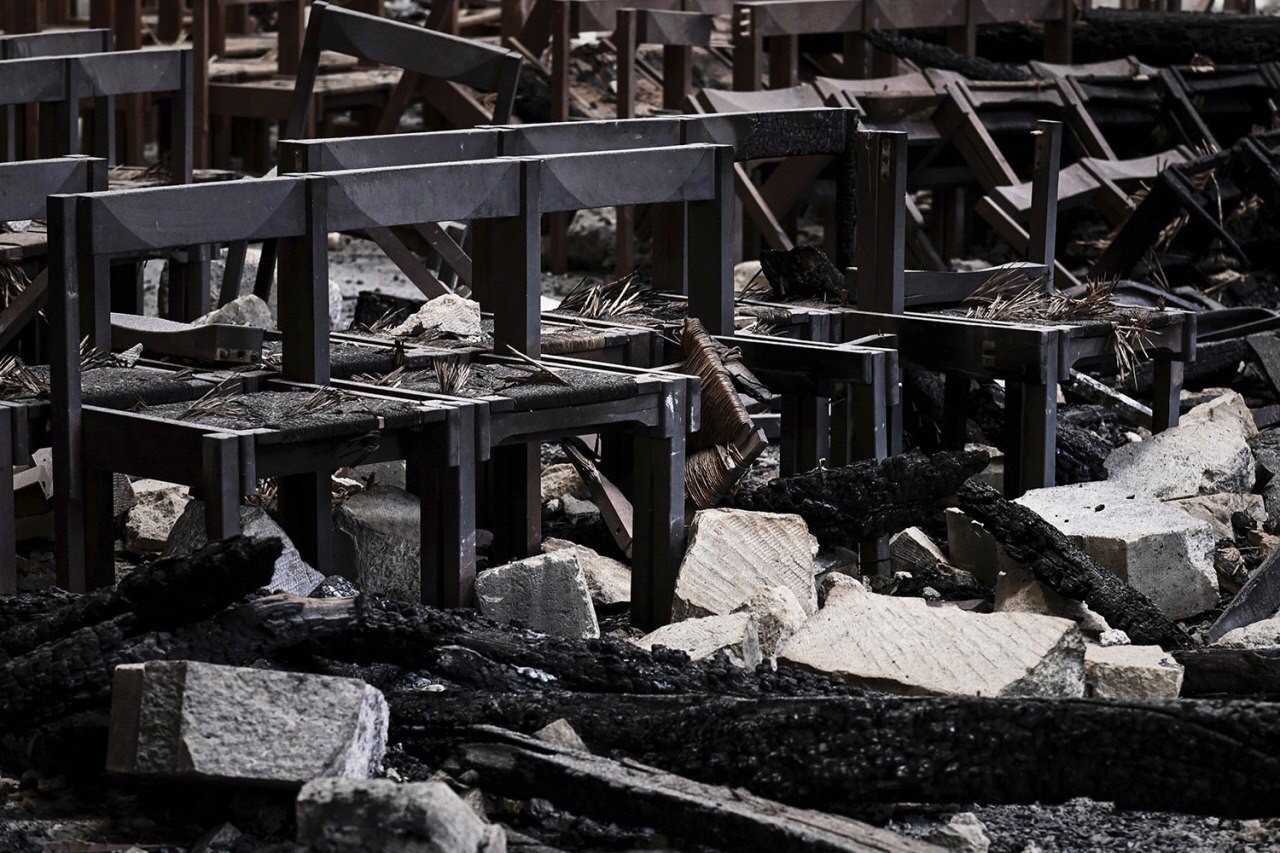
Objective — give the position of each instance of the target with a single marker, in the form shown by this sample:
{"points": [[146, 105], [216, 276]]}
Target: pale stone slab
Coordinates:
{"points": [[702, 637], [608, 579], [1218, 509], [1258, 635], [778, 615], [291, 575], [381, 537], [357, 815], [903, 645], [733, 553], [1131, 672], [1161, 551], [547, 593], [190, 720]]}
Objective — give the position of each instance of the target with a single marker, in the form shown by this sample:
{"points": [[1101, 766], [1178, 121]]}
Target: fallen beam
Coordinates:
{"points": [[685, 811]]}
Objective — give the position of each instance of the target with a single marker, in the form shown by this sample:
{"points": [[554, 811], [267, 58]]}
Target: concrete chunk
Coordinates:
{"points": [[380, 541], [903, 645], [777, 614], [547, 593], [350, 815], [733, 553], [912, 550], [1131, 672], [735, 633], [157, 508], [1207, 452], [608, 579], [1157, 548], [975, 550], [292, 574], [190, 720], [1258, 635], [1018, 591], [449, 314], [1218, 509]]}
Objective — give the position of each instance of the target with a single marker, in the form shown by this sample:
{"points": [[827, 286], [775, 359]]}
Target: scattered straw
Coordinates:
{"points": [[18, 381], [220, 401], [453, 375]]}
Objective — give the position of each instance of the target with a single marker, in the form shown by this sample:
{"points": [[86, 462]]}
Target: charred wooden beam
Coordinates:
{"points": [[685, 811], [867, 499], [836, 753], [1062, 566]]}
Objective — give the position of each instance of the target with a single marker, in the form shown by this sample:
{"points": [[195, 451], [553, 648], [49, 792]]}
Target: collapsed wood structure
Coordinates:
{"points": [[840, 352]]}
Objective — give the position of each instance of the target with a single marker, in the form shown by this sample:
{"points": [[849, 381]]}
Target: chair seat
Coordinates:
{"points": [[126, 387], [291, 417], [530, 391]]}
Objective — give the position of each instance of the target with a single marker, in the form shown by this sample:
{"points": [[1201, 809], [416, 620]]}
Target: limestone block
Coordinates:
{"points": [[1131, 672], [903, 645], [1161, 551], [702, 637], [190, 720], [608, 579], [733, 553], [547, 593], [356, 815]]}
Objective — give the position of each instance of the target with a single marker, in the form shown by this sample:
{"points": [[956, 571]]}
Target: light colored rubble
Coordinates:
{"points": [[903, 645], [733, 553], [189, 720], [546, 593], [1131, 672], [702, 637]]}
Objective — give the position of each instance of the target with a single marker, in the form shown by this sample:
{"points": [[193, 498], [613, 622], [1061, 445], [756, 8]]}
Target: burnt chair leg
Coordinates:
{"points": [[221, 485], [955, 410], [658, 514], [99, 528], [517, 501], [189, 283], [806, 429], [8, 512], [1031, 427], [1166, 393], [306, 515], [868, 435], [446, 488]]}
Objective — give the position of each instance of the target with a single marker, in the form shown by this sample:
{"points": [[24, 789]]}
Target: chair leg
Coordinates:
{"points": [[307, 516], [517, 501], [447, 493], [658, 529], [1031, 426], [806, 429], [955, 410], [8, 512], [1166, 394], [868, 433], [99, 528], [221, 484]]}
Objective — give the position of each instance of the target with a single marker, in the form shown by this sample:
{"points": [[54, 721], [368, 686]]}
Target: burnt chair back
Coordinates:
{"points": [[65, 81]]}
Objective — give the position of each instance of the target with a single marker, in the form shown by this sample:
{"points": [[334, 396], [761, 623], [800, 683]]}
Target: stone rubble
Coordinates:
{"points": [[608, 579], [735, 634], [189, 720], [547, 593], [1131, 672], [732, 554], [292, 574], [376, 536]]}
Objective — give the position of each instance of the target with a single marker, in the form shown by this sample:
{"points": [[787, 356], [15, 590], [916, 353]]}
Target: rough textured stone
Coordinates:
{"points": [[912, 550], [1217, 510], [733, 553], [608, 579], [157, 507], [380, 541], [334, 586], [562, 479], [962, 832], [292, 574], [350, 815], [1207, 452], [560, 733], [745, 273], [547, 593], [189, 720], [1157, 548], [975, 550], [591, 239], [247, 310], [449, 314], [903, 645], [777, 614], [1262, 634], [1114, 637], [389, 473], [1131, 672], [702, 637], [1018, 591], [577, 510]]}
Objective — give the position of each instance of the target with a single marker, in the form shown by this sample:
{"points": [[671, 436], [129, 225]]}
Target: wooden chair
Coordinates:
{"points": [[225, 452], [1030, 358]]}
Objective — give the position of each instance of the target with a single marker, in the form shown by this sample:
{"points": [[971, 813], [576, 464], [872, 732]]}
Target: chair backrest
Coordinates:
{"points": [[55, 43], [67, 80], [505, 199], [430, 54]]}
